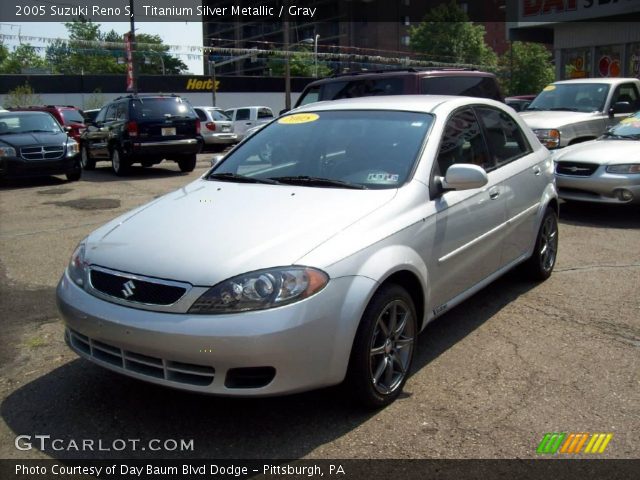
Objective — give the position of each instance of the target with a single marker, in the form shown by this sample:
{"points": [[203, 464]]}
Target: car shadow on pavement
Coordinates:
{"points": [[600, 215], [36, 182], [82, 401], [104, 173]]}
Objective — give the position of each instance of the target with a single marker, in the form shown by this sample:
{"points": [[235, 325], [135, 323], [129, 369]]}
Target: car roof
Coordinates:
{"points": [[250, 106], [609, 81], [435, 72], [410, 103], [25, 112]]}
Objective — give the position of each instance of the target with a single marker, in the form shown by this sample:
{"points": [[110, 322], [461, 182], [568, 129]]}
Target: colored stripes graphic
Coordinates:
{"points": [[555, 442]]}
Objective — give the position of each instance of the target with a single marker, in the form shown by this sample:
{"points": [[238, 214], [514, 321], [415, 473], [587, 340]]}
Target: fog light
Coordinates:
{"points": [[623, 194]]}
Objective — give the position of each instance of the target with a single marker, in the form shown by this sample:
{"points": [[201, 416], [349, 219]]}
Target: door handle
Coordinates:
{"points": [[494, 193], [536, 170]]}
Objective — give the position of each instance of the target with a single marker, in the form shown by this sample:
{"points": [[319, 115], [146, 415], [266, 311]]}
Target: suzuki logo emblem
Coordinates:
{"points": [[128, 289]]}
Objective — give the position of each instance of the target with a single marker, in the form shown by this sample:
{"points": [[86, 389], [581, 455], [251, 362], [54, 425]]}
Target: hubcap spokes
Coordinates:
{"points": [[391, 347], [548, 244]]}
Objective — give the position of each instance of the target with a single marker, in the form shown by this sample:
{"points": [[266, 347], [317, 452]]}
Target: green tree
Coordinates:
{"points": [[447, 35], [151, 54], [4, 53], [23, 57], [525, 68], [22, 96], [300, 65]]}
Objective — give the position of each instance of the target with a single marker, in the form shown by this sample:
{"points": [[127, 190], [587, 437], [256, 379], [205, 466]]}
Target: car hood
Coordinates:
{"points": [[601, 152], [209, 231], [555, 119], [18, 140]]}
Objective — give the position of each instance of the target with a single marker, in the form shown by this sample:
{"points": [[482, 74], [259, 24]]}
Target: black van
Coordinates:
{"points": [[430, 81]]}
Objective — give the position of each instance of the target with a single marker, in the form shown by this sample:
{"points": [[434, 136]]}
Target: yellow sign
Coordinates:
{"points": [[205, 85], [549, 88], [299, 118]]}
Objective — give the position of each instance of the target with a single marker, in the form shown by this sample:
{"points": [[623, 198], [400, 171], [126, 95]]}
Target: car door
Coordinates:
{"points": [[523, 178], [468, 237], [242, 121], [96, 136], [627, 92]]}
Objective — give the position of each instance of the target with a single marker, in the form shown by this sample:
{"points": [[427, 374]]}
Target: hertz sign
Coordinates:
{"points": [[201, 85]]}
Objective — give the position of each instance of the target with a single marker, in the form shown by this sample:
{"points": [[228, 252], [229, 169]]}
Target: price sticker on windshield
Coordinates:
{"points": [[299, 118], [549, 88]]}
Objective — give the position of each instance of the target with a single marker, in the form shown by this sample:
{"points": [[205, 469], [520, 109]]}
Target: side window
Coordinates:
{"points": [[101, 115], [111, 113], [506, 140], [121, 111], [627, 92], [265, 113], [229, 113], [201, 115], [243, 114], [462, 142], [312, 96]]}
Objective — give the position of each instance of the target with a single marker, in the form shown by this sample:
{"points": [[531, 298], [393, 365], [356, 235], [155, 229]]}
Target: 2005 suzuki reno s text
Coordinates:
{"points": [[317, 250]]}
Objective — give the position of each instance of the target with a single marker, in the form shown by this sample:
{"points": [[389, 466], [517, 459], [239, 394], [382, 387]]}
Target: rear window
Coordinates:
{"points": [[362, 87], [71, 116], [483, 87], [160, 107], [265, 113], [218, 115]]}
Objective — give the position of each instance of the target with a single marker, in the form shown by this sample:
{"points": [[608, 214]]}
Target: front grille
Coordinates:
{"points": [[179, 372], [50, 152], [132, 289], [576, 169]]}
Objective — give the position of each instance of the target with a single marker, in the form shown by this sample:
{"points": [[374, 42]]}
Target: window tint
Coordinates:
{"points": [[160, 107], [363, 87], [121, 111], [312, 96], [627, 93], [483, 87], [101, 115], [462, 142], [506, 140], [201, 115], [111, 113], [265, 113], [71, 116], [243, 114]]}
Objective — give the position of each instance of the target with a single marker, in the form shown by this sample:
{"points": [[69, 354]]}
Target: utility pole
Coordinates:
{"points": [[287, 69], [212, 72], [132, 39]]}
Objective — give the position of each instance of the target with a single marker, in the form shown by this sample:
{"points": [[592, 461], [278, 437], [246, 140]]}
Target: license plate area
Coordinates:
{"points": [[225, 128], [168, 131]]}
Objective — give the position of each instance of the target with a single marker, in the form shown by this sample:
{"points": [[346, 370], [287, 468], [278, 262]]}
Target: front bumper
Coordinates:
{"points": [[599, 187], [16, 167], [307, 343]]}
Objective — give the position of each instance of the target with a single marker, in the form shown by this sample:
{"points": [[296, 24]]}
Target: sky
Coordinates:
{"points": [[172, 33]]}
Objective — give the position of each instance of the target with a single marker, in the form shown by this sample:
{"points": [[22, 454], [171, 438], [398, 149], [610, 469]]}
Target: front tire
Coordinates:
{"points": [[86, 161], [383, 348], [187, 164], [541, 263], [118, 164]]}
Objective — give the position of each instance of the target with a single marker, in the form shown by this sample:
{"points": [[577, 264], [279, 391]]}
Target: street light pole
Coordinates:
{"points": [[132, 39], [287, 69]]}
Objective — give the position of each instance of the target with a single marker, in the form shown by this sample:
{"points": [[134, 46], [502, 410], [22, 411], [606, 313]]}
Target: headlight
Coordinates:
{"points": [[261, 289], [72, 148], [628, 168], [7, 151], [77, 265], [549, 138]]}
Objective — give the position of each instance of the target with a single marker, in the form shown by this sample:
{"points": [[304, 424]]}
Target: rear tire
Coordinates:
{"points": [[383, 348], [187, 164], [86, 161], [118, 164], [540, 265], [75, 175]]}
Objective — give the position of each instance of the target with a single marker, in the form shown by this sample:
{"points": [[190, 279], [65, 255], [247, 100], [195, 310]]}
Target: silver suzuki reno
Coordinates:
{"points": [[316, 250]]}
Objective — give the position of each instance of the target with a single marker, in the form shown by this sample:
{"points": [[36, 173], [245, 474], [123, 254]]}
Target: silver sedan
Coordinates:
{"points": [[606, 170], [320, 262]]}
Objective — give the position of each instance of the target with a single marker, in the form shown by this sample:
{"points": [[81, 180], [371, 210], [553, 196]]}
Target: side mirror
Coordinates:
{"points": [[464, 176], [216, 159], [620, 107]]}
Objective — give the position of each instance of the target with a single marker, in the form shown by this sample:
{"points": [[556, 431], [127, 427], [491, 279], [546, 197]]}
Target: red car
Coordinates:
{"points": [[66, 115]]}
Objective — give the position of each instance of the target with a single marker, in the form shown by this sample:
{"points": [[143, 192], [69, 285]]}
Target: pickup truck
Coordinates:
{"points": [[245, 118], [574, 111]]}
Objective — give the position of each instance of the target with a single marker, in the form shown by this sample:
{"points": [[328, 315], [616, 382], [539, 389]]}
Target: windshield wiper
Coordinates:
{"points": [[531, 109], [38, 131], [631, 136], [564, 109], [234, 177], [318, 182]]}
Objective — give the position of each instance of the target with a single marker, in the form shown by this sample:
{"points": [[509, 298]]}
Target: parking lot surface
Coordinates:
{"points": [[490, 378]]}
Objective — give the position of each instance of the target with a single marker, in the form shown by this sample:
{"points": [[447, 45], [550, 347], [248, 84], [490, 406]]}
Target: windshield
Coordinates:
{"points": [[11, 123], [340, 149], [628, 127], [71, 116], [573, 97]]}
